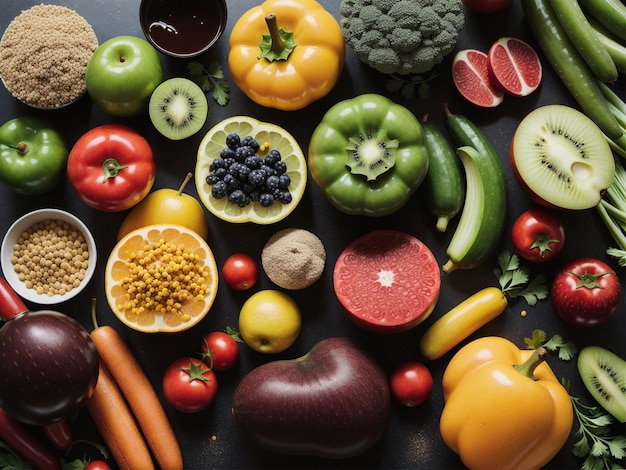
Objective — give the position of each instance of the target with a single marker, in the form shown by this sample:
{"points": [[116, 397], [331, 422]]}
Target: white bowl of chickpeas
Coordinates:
{"points": [[48, 256]]}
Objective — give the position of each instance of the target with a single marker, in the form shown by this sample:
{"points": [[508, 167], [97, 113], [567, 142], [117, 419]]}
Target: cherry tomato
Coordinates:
{"points": [[240, 271], [538, 235], [97, 465], [189, 385], [411, 383], [220, 350], [487, 6], [111, 167], [586, 292]]}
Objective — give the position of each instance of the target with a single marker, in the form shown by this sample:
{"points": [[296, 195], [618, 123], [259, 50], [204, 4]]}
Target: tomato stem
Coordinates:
{"points": [[588, 280], [111, 168], [528, 367]]}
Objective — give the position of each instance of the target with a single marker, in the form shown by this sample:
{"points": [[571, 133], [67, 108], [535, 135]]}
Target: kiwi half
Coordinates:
{"points": [[178, 108], [561, 158], [604, 375]]}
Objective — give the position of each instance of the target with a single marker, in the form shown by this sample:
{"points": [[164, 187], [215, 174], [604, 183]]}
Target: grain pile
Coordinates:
{"points": [[43, 55]]}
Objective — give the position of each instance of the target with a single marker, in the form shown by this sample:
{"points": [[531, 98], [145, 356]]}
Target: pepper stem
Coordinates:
{"points": [[111, 168], [272, 25], [528, 367], [21, 148]]}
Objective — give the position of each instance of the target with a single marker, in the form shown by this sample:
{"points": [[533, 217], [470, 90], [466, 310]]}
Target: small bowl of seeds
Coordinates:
{"points": [[48, 256]]}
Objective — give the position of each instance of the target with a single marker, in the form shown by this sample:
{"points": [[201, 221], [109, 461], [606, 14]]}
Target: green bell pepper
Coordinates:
{"points": [[368, 155], [33, 156]]}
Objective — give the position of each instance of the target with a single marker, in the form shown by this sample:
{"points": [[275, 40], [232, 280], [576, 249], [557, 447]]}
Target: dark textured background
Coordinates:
{"points": [[412, 439]]}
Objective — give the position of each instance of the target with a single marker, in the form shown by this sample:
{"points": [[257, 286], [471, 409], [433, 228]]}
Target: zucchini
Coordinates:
{"points": [[569, 65], [610, 13], [443, 185], [461, 321], [585, 39]]}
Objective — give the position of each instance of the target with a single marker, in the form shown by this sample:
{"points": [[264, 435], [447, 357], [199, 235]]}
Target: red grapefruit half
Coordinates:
{"points": [[387, 281], [514, 66], [470, 73]]}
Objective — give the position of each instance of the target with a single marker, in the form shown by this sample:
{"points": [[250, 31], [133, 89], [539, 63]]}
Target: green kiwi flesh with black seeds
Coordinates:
{"points": [[178, 108], [604, 375]]}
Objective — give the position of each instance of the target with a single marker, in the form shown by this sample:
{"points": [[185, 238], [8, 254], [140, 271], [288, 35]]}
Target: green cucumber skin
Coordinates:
{"points": [[489, 166], [444, 181], [610, 13], [569, 65], [584, 38]]}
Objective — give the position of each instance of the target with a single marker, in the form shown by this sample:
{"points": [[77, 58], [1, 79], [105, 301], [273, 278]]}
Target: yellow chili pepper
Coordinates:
{"points": [[504, 407], [285, 54]]}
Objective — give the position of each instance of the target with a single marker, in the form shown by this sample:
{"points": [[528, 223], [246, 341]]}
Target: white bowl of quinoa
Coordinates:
{"points": [[48, 256], [43, 56]]}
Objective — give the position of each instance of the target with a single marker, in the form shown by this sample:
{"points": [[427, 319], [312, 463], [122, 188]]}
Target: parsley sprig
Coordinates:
{"points": [[514, 280], [600, 449], [210, 78], [595, 443]]}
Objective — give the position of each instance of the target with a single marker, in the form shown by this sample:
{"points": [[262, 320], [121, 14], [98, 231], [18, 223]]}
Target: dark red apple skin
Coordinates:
{"points": [[333, 402], [48, 367]]}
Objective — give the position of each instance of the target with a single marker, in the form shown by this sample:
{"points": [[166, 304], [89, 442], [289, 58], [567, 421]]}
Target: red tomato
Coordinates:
{"points": [[487, 6], [586, 292], [538, 235], [97, 465], [240, 271], [220, 350], [411, 383], [189, 385], [111, 167]]}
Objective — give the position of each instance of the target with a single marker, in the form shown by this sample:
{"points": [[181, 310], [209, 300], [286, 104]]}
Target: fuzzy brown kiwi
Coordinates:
{"points": [[604, 375], [561, 158], [178, 108]]}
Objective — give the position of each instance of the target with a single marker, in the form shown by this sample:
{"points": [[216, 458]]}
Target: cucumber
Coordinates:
{"points": [[443, 185], [616, 50], [569, 65], [483, 215], [585, 39], [610, 13]]}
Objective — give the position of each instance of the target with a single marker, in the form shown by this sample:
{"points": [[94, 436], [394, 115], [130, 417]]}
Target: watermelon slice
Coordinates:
{"points": [[387, 281]]}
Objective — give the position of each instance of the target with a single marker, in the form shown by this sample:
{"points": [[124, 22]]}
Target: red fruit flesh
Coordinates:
{"points": [[514, 66], [387, 281], [470, 73]]}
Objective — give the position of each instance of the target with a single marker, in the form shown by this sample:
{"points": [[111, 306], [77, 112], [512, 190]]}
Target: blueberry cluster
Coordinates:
{"points": [[240, 174]]}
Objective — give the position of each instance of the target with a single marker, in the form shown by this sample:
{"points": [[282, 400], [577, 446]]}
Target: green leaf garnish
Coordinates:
{"points": [[566, 350], [596, 444], [407, 86], [514, 280], [209, 79]]}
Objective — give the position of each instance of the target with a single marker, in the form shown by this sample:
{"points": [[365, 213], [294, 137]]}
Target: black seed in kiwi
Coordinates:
{"points": [[604, 375], [561, 158], [178, 108]]}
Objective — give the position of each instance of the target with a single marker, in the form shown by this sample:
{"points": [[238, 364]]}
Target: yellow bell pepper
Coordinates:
{"points": [[285, 54], [504, 407]]}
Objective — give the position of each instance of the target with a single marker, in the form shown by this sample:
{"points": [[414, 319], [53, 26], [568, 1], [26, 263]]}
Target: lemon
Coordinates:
{"points": [[269, 321], [271, 137], [161, 278]]}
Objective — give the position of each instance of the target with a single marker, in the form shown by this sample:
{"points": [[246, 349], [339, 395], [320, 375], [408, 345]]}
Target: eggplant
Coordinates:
{"points": [[48, 363]]}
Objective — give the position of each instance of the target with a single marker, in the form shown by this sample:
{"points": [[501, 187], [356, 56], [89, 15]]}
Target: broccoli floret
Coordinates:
{"points": [[402, 36]]}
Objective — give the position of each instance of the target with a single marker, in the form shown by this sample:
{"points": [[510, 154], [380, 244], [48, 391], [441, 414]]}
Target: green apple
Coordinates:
{"points": [[121, 75], [167, 206], [32, 155]]}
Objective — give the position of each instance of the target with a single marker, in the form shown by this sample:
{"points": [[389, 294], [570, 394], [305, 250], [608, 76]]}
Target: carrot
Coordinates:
{"points": [[141, 396], [18, 438], [117, 425]]}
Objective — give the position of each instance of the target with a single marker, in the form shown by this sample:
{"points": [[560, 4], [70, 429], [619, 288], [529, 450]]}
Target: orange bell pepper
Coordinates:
{"points": [[285, 54], [504, 407]]}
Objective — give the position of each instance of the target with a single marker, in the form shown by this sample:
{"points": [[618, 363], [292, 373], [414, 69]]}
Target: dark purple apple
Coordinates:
{"points": [[48, 362], [333, 402]]}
